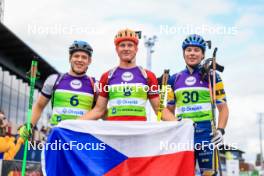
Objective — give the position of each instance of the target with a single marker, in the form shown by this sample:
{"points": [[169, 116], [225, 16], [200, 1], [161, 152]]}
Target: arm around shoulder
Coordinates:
{"points": [[98, 111]]}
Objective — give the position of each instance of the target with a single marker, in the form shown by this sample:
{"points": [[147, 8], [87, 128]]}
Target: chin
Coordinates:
{"points": [[77, 71], [80, 73], [193, 64], [126, 59]]}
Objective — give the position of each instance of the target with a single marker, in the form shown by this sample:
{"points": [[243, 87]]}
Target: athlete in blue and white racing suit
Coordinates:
{"points": [[190, 96]]}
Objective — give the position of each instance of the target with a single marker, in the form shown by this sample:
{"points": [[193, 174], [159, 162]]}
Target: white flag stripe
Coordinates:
{"points": [[139, 139]]}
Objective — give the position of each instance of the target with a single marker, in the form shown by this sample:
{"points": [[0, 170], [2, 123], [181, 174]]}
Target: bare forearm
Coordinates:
{"points": [[98, 111], [223, 116], [36, 113], [94, 114], [155, 104], [38, 107]]}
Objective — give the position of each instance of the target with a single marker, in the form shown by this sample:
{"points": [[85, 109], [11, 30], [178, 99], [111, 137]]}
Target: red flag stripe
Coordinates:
{"points": [[176, 164]]}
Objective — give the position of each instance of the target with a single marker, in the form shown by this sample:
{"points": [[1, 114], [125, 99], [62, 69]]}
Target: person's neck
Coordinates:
{"points": [[127, 65], [192, 69], [74, 74]]}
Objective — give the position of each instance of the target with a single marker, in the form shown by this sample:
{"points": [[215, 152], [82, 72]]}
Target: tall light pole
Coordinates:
{"points": [[2, 5], [149, 43], [260, 137]]}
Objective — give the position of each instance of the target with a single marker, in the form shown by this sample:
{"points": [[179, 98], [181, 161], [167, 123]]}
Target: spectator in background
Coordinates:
{"points": [[3, 123]]}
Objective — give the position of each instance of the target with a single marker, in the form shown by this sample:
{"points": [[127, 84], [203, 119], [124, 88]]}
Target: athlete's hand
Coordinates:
{"points": [[218, 137], [24, 133]]}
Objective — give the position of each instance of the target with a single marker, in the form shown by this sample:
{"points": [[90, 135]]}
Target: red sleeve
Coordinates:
{"points": [[103, 91], [153, 85]]}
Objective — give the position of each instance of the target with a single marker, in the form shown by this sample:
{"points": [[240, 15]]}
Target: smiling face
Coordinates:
{"points": [[126, 51], [79, 61], [193, 55]]}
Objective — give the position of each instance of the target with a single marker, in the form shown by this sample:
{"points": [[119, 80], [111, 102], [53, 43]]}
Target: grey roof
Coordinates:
{"points": [[16, 57]]}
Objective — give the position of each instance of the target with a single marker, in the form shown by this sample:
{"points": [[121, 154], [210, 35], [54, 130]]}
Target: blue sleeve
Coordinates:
{"points": [[220, 91], [171, 80], [171, 100]]}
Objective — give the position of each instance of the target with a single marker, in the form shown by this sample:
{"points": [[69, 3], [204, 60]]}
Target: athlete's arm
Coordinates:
{"points": [[171, 108], [167, 114], [221, 103], [98, 111], [100, 107], [37, 109], [223, 115], [43, 99], [153, 93], [155, 104]]}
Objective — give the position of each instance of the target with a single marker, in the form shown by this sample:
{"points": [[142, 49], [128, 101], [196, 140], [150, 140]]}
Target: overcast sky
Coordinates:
{"points": [[235, 27]]}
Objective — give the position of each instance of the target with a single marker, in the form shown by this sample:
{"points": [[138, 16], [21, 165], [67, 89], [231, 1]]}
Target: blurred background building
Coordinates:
{"points": [[15, 62]]}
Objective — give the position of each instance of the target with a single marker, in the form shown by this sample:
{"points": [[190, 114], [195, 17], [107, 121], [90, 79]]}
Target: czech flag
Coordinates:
{"points": [[115, 148]]}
